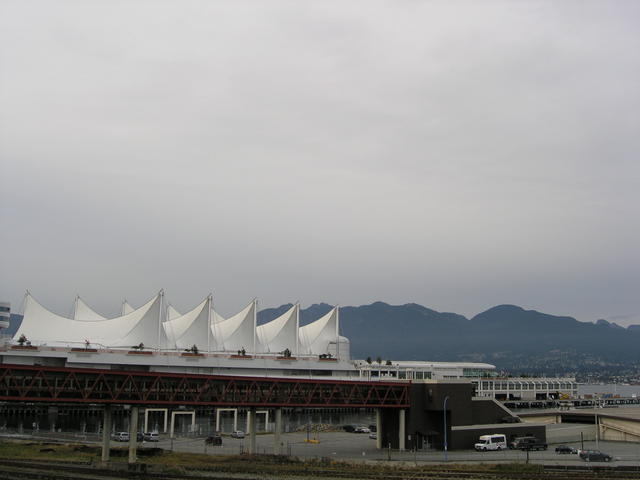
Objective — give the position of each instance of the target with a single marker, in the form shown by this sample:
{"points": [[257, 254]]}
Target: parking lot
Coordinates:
{"points": [[342, 445], [358, 447]]}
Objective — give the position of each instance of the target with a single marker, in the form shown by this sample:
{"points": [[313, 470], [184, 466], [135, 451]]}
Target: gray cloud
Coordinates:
{"points": [[456, 154]]}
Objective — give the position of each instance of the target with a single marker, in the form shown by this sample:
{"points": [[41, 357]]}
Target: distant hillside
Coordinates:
{"points": [[506, 335], [14, 324]]}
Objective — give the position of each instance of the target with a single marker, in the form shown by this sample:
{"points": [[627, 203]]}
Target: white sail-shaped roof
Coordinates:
{"points": [[237, 332], [216, 317], [280, 333], [40, 326], [126, 308], [84, 312], [315, 337], [190, 329], [172, 313]]}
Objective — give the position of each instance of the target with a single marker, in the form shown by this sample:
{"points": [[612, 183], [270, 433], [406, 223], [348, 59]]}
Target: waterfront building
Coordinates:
{"points": [[420, 370], [5, 321], [5, 315], [157, 337], [526, 388]]}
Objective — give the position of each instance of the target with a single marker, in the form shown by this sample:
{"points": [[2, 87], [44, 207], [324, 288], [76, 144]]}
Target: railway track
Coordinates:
{"points": [[33, 470]]}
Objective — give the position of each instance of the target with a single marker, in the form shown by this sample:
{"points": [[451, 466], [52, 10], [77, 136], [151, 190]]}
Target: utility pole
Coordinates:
{"points": [[444, 411]]}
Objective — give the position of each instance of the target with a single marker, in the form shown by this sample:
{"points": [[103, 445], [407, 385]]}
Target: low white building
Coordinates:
{"points": [[414, 370], [526, 388]]}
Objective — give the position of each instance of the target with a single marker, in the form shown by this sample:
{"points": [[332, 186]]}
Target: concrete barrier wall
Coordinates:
{"points": [[546, 419], [571, 434], [619, 429]]}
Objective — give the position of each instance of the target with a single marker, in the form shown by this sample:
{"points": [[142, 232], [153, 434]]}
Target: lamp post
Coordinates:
{"points": [[444, 411], [597, 432]]}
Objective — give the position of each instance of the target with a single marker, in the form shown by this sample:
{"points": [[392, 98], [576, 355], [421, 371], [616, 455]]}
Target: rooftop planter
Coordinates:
{"points": [[24, 347], [286, 358], [139, 352], [84, 350], [190, 354], [242, 357]]}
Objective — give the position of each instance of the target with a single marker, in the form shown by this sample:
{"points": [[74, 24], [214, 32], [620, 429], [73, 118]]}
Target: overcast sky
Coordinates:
{"points": [[454, 154]]}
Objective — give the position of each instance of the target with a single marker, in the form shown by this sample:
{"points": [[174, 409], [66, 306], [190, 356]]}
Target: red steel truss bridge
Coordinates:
{"points": [[20, 383]]}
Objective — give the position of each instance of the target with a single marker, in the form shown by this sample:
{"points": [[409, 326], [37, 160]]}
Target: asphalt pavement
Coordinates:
{"points": [[358, 447], [353, 446]]}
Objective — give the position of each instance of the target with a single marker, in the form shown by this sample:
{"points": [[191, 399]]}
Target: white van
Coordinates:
{"points": [[497, 441], [121, 436], [150, 436]]}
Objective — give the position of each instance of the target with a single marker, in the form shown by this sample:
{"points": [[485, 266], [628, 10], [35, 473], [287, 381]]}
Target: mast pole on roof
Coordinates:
{"points": [[297, 328], [160, 317], [173, 337], [255, 323], [23, 305], [209, 324], [337, 331]]}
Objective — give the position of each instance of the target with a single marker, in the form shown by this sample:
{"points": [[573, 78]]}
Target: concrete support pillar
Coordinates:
{"points": [[401, 429], [251, 420], [277, 432], [106, 433], [133, 434], [378, 428]]}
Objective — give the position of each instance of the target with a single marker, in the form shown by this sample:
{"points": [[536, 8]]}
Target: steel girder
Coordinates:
{"points": [[84, 385]]}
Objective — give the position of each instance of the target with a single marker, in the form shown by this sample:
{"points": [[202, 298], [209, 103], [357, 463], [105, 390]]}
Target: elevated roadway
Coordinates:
{"points": [[21, 383], [60, 385]]}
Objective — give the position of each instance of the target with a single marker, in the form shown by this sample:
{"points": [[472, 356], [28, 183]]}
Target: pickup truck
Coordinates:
{"points": [[528, 443]]}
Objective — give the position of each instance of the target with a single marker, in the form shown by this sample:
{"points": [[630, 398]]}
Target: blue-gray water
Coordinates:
{"points": [[614, 389]]}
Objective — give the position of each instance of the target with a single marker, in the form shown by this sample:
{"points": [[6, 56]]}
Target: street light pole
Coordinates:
{"points": [[597, 432], [444, 411]]}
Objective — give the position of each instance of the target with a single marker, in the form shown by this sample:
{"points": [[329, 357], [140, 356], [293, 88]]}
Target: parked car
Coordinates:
{"points": [[121, 436], [151, 437], [497, 441], [595, 456], [237, 434], [362, 429], [139, 437], [214, 439], [565, 449], [348, 428], [373, 435], [528, 443]]}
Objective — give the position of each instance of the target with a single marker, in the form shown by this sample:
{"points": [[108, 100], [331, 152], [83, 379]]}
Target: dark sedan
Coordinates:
{"points": [[213, 439], [565, 449], [595, 456]]}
